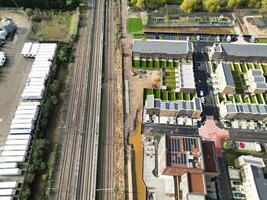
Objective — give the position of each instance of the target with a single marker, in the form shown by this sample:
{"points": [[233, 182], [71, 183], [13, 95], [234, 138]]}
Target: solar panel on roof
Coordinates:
{"points": [[254, 162]]}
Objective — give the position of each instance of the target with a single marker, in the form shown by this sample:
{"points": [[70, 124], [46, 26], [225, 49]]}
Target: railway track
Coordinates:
{"points": [[105, 182], [86, 183], [66, 180]]}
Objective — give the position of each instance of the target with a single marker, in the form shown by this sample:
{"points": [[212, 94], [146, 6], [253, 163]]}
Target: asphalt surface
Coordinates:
{"points": [[105, 182], [247, 135]]}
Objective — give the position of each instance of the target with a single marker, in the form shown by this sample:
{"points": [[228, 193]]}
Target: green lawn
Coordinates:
{"points": [[243, 67], [262, 40], [260, 99], [135, 26], [157, 93]]}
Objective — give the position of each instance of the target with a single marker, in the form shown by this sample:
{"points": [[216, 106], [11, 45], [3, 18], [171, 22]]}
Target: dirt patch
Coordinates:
{"points": [[19, 19], [199, 30]]}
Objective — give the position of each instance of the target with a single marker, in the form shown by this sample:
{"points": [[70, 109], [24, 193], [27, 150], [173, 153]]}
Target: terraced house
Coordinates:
{"points": [[238, 52], [162, 49]]}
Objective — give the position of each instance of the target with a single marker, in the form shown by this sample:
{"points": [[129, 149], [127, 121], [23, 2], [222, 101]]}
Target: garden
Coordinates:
{"points": [[151, 64]]}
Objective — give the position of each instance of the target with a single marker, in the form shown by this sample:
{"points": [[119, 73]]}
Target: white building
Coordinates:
{"points": [[254, 183], [225, 79], [187, 80], [256, 80], [249, 160]]}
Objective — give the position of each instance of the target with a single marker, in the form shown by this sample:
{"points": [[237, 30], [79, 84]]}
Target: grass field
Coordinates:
{"points": [[135, 26], [59, 26]]}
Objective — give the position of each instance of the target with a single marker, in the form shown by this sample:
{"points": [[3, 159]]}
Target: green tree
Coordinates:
{"points": [[236, 3], [211, 5], [140, 3], [152, 4], [264, 6], [254, 3], [189, 5]]}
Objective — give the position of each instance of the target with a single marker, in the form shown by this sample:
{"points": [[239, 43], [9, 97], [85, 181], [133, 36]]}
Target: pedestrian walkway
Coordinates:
{"points": [[211, 132]]}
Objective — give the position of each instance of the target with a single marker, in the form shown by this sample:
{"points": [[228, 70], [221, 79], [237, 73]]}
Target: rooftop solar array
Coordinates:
{"points": [[183, 151], [162, 46], [246, 108]]}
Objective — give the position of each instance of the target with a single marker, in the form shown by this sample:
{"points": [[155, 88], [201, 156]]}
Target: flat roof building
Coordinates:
{"points": [[225, 79], [163, 49], [249, 160], [238, 52]]}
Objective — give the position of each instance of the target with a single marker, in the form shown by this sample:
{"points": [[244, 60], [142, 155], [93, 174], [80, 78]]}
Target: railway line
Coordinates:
{"points": [[86, 183], [105, 184], [66, 179]]}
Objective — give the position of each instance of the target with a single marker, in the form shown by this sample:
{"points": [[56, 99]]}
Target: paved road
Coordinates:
{"points": [[105, 182], [170, 129], [87, 169]]}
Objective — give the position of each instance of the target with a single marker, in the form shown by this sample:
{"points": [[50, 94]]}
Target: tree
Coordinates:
{"points": [[254, 3], [152, 4], [264, 6], [189, 5], [236, 3], [211, 5], [140, 3]]}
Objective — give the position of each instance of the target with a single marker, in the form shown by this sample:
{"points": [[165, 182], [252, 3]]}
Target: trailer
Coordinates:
{"points": [[25, 116], [19, 137], [17, 142], [26, 49], [25, 112], [14, 148], [23, 103], [6, 197], [34, 49], [22, 126], [13, 153], [5, 159], [20, 131], [22, 121], [28, 107], [7, 192], [9, 184], [7, 166], [10, 172]]}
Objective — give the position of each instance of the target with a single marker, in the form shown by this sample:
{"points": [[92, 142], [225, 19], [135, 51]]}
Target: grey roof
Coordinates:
{"points": [[256, 72], [231, 108], [228, 75], [246, 50], [246, 108], [262, 109], [260, 181], [239, 108], [160, 46], [261, 85]]}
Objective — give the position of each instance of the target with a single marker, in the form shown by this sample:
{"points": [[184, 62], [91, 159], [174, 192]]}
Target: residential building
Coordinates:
{"points": [[254, 183], [238, 52], [225, 79], [243, 111], [249, 160], [190, 108], [182, 157], [210, 160], [163, 49], [187, 80], [256, 80]]}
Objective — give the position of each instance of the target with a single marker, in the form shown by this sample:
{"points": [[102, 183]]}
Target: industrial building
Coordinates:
{"points": [[238, 52], [243, 111], [190, 108], [225, 79], [162, 49], [256, 80]]}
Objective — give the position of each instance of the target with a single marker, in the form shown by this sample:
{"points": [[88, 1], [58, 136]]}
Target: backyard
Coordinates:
{"points": [[135, 25]]}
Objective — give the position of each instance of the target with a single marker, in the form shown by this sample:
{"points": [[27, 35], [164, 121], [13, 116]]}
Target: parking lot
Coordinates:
{"points": [[13, 74]]}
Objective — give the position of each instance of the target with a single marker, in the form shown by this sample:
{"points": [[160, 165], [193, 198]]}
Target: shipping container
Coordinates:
{"points": [[6, 197], [20, 131], [5, 159], [36, 83], [25, 112], [19, 137], [9, 184], [26, 49], [8, 166], [7, 192], [22, 126], [23, 103], [34, 49], [14, 147], [17, 142], [27, 107], [10, 172], [13, 153], [25, 116], [22, 121], [39, 75]]}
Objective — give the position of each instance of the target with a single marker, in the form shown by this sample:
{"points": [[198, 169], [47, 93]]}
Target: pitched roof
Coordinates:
{"points": [[162, 46]]}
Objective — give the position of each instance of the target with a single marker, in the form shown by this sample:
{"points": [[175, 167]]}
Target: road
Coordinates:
{"points": [[105, 184], [65, 185], [247, 135]]}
